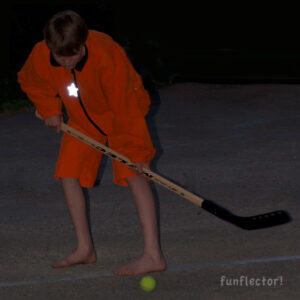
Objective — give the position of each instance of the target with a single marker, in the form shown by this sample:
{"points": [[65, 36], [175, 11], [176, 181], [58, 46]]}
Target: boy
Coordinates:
{"points": [[91, 76]]}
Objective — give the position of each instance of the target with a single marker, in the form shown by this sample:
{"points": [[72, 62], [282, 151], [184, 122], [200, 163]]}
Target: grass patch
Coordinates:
{"points": [[12, 99], [16, 105]]}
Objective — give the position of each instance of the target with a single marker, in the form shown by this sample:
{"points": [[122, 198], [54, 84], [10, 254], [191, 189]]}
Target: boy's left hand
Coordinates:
{"points": [[139, 167]]}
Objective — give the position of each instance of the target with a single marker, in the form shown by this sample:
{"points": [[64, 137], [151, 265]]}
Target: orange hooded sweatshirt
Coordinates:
{"points": [[110, 89]]}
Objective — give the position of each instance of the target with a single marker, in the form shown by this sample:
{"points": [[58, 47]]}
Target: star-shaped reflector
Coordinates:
{"points": [[72, 90]]}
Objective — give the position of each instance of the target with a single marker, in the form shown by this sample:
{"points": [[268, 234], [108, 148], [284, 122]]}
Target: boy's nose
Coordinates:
{"points": [[67, 61]]}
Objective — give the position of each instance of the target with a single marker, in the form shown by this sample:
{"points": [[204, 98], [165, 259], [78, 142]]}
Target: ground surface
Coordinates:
{"points": [[235, 144]]}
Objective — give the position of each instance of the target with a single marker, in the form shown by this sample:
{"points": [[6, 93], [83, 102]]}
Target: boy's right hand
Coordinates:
{"points": [[54, 122]]}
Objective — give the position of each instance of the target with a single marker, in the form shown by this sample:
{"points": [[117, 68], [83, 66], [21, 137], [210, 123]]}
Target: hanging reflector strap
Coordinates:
{"points": [[81, 104]]}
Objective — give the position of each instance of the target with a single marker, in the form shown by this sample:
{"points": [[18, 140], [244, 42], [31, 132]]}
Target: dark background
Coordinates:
{"points": [[170, 42]]}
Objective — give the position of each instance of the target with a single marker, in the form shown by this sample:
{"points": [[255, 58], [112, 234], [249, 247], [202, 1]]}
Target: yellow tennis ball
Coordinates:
{"points": [[148, 283]]}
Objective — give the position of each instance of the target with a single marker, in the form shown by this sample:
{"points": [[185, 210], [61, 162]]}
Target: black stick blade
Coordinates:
{"points": [[271, 219]]}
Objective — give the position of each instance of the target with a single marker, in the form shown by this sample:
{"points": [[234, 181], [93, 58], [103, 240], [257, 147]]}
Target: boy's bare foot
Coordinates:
{"points": [[144, 264], [77, 257]]}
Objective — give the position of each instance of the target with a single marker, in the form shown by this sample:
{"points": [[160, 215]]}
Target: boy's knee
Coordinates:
{"points": [[69, 180], [135, 180]]}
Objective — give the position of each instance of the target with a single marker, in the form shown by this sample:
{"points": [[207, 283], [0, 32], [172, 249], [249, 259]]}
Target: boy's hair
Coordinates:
{"points": [[65, 33]]}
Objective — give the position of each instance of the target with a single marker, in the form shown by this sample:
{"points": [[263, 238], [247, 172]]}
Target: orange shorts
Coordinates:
{"points": [[79, 160]]}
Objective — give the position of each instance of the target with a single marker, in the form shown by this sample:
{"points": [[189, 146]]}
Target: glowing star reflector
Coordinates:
{"points": [[73, 90]]}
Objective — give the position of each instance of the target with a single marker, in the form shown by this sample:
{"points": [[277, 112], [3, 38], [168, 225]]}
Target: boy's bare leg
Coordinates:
{"points": [[152, 259], [85, 252]]}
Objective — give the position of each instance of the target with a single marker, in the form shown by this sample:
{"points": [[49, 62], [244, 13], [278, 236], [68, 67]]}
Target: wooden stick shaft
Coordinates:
{"points": [[126, 161]]}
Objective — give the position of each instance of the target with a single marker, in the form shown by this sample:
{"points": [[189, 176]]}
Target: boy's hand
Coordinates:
{"points": [[54, 122], [139, 167]]}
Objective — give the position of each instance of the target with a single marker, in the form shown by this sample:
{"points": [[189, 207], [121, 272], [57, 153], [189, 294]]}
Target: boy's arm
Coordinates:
{"points": [[129, 103], [37, 87]]}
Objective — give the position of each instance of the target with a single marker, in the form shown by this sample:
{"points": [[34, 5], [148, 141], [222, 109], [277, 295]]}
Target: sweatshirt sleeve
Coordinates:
{"points": [[129, 102], [33, 81]]}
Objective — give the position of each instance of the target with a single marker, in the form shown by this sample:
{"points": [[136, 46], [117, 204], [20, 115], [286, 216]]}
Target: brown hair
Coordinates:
{"points": [[65, 33]]}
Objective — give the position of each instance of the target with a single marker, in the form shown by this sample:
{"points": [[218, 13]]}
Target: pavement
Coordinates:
{"points": [[236, 144]]}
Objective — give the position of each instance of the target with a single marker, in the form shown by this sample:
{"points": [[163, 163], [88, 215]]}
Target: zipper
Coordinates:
{"points": [[83, 108]]}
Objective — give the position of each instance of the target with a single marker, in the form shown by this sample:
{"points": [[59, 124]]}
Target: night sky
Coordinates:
{"points": [[187, 40]]}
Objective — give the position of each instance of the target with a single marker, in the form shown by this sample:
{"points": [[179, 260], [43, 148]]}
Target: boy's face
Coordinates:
{"points": [[69, 62]]}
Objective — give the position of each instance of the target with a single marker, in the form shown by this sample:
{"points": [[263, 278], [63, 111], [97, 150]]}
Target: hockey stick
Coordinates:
{"points": [[249, 223]]}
